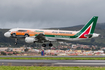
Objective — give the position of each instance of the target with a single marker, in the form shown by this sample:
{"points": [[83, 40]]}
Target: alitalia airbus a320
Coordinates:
{"points": [[43, 35]]}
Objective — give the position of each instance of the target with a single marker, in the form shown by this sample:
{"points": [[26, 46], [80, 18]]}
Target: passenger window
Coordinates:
{"points": [[22, 30]]}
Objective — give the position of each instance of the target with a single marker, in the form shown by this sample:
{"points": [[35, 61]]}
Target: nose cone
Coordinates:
{"points": [[7, 34]]}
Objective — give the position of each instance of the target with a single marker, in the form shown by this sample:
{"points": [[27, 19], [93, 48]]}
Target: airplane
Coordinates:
{"points": [[48, 35]]}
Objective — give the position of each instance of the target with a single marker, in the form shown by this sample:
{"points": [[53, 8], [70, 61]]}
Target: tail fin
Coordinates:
{"points": [[88, 29]]}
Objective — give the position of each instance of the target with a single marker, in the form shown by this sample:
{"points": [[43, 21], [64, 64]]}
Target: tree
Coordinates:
{"points": [[15, 52], [93, 49], [26, 50], [78, 48], [3, 53], [9, 53]]}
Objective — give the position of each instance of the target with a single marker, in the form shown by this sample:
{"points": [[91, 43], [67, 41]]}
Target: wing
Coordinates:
{"points": [[42, 38]]}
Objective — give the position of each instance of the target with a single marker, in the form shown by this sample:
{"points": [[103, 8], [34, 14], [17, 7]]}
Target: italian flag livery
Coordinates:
{"points": [[48, 35], [86, 32]]}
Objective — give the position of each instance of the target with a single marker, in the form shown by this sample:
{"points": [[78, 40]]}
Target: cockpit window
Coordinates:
{"points": [[22, 30], [9, 31]]}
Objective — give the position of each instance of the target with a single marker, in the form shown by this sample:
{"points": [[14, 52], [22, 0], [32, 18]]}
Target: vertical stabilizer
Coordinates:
{"points": [[88, 29]]}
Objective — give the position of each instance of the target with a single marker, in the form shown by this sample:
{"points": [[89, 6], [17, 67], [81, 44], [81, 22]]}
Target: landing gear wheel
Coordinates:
{"points": [[43, 45], [50, 45], [13, 35], [15, 43]]}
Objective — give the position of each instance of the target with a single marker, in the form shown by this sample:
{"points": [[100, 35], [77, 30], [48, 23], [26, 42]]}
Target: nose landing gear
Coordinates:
{"points": [[16, 41]]}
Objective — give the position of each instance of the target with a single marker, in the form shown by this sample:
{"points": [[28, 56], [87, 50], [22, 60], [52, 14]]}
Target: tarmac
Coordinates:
{"points": [[53, 63]]}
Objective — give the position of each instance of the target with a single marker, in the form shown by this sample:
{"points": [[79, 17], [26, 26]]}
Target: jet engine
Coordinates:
{"points": [[30, 39]]}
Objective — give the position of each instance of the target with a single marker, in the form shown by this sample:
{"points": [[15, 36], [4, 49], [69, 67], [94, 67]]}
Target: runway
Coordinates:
{"points": [[52, 62]]}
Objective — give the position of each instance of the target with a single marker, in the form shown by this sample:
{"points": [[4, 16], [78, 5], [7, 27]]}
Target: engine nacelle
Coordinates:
{"points": [[30, 40]]}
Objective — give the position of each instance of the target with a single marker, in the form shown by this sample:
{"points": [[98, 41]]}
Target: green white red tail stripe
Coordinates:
{"points": [[87, 29], [85, 33]]}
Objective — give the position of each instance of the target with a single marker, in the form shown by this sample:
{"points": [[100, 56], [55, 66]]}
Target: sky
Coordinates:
{"points": [[49, 13]]}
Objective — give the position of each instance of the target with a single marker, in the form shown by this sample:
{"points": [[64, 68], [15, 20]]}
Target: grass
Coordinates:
{"points": [[48, 68], [55, 58]]}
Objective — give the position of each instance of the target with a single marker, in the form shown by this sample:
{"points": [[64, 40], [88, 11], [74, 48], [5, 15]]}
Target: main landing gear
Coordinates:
{"points": [[43, 45], [50, 45]]}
